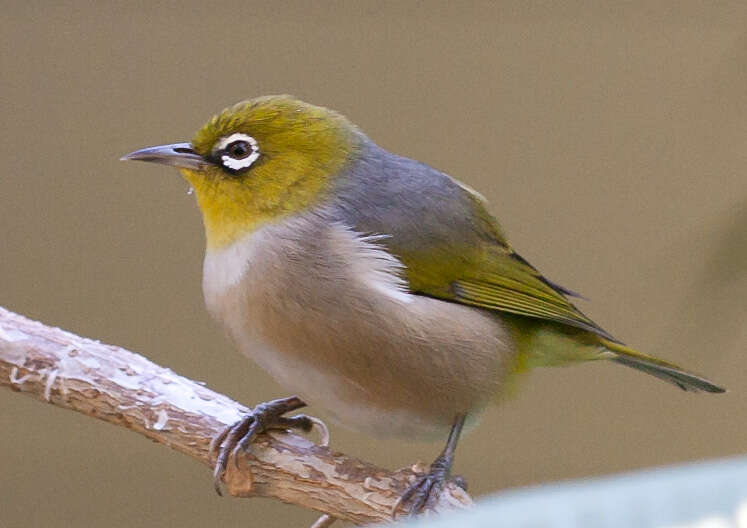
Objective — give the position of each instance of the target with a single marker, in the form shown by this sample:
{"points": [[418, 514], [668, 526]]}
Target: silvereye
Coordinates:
{"points": [[369, 284]]}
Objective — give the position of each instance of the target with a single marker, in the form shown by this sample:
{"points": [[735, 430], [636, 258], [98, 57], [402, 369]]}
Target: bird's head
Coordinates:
{"points": [[259, 161]]}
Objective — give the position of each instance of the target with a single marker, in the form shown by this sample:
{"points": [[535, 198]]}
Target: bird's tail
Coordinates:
{"points": [[661, 369]]}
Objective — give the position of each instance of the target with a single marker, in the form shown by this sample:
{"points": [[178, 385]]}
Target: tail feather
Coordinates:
{"points": [[661, 369]]}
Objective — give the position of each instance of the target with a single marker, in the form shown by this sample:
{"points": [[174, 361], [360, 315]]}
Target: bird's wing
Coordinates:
{"points": [[451, 247], [505, 282], [486, 272]]}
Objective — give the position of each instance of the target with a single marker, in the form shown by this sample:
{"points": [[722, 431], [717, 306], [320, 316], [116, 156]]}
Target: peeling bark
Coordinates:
{"points": [[124, 388]]}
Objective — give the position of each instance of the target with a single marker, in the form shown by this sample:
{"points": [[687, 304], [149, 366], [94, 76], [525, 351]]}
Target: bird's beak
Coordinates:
{"points": [[177, 155]]}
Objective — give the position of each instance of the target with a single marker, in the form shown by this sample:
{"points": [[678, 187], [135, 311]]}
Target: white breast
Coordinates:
{"points": [[327, 313], [223, 269], [249, 257]]}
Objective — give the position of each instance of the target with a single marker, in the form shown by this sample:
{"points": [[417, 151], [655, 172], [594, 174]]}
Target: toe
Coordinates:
{"points": [[242, 446], [217, 474], [405, 497], [460, 481], [217, 441], [433, 494], [421, 497], [423, 494]]}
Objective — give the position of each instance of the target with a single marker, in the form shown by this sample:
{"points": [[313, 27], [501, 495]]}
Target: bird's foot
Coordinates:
{"points": [[422, 495], [236, 438]]}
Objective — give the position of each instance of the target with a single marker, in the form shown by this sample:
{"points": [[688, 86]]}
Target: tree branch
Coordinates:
{"points": [[125, 389]]}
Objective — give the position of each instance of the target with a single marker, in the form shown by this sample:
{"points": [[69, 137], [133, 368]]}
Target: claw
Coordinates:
{"points": [[323, 431], [325, 521], [424, 492], [220, 447], [426, 489], [237, 438], [217, 474]]}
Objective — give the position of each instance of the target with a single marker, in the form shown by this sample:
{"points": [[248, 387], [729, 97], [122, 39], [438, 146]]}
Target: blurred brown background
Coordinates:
{"points": [[611, 142]]}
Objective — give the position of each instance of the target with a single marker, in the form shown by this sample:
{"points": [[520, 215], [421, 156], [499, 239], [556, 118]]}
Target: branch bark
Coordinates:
{"points": [[125, 389]]}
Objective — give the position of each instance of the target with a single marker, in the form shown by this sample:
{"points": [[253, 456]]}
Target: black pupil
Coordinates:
{"points": [[239, 149]]}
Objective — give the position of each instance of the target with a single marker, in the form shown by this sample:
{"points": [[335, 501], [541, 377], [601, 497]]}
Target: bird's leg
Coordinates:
{"points": [[264, 417], [424, 492]]}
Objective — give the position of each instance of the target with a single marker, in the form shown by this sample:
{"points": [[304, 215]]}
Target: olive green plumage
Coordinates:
{"points": [[484, 271], [311, 158], [370, 284]]}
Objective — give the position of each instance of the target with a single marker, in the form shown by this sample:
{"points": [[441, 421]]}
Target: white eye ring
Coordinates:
{"points": [[233, 163]]}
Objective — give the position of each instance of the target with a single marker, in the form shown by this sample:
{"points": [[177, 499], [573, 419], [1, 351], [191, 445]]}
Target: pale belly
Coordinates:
{"points": [[332, 323]]}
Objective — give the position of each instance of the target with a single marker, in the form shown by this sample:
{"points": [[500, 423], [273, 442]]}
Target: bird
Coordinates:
{"points": [[370, 285]]}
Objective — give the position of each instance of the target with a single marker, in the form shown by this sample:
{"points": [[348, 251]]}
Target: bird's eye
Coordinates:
{"points": [[239, 149], [236, 152]]}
